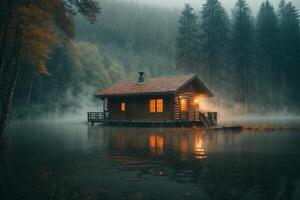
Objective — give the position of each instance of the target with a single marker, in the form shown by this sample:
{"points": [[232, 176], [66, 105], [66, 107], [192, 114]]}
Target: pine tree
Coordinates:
{"points": [[187, 40], [267, 49], [214, 38], [242, 46], [288, 19]]}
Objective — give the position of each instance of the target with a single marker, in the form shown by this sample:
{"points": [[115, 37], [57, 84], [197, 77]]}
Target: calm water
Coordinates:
{"points": [[75, 161]]}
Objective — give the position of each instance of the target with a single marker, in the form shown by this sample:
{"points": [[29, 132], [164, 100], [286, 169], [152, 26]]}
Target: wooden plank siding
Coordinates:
{"points": [[189, 92], [137, 108]]}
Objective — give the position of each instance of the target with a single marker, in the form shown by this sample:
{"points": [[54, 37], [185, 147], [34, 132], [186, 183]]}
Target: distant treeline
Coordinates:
{"points": [[140, 37], [244, 59], [251, 60]]}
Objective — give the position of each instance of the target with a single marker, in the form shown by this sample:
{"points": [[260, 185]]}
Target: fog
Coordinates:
{"points": [[197, 4], [123, 41]]}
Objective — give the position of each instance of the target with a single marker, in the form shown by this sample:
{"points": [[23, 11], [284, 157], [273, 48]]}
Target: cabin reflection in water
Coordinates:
{"points": [[167, 144]]}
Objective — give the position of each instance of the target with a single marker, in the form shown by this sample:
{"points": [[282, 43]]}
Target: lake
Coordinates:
{"points": [[76, 161]]}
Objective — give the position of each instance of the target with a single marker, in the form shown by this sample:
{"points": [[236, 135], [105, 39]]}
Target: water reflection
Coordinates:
{"points": [[236, 165], [199, 149], [156, 143], [57, 161]]}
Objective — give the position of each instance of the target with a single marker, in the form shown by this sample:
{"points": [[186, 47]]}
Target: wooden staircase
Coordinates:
{"points": [[209, 119]]}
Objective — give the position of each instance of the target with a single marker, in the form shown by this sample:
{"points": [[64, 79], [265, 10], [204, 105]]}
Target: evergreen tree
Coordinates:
{"points": [[267, 49], [214, 38], [242, 46], [288, 19], [187, 40]]}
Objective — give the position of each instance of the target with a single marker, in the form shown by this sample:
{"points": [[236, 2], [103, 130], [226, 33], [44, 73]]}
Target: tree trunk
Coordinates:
{"points": [[28, 99], [8, 87], [6, 103], [283, 86], [4, 36], [270, 76], [246, 87], [41, 89]]}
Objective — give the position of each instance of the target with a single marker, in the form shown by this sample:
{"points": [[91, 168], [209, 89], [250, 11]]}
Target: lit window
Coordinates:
{"points": [[183, 104], [156, 105], [152, 105], [159, 105], [123, 107]]}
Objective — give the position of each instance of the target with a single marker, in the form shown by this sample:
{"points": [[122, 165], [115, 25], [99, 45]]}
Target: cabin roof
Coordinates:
{"points": [[159, 85]]}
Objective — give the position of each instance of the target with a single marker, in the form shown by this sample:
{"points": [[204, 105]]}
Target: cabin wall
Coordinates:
{"points": [[189, 92], [137, 108]]}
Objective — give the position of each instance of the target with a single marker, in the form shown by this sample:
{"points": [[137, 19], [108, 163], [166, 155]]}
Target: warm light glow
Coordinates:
{"points": [[201, 96], [200, 101], [152, 141], [152, 105], [184, 145], [123, 107], [184, 148], [156, 144], [159, 105], [156, 105], [183, 104], [159, 142], [199, 150]]}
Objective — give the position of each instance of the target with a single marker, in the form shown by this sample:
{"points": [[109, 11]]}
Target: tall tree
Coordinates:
{"points": [[187, 40], [288, 19], [242, 46], [29, 30], [214, 38], [268, 48]]}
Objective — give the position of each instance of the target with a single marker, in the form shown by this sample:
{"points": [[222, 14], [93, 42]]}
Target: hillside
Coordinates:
{"points": [[140, 37]]}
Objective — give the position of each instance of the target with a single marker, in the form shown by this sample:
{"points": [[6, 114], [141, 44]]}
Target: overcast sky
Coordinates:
{"points": [[197, 4]]}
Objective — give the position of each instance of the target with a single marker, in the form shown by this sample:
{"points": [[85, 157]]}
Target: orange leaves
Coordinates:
{"points": [[44, 24], [43, 70], [39, 37]]}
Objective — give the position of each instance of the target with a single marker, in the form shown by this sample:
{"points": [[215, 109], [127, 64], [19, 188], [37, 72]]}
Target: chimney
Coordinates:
{"points": [[141, 78]]}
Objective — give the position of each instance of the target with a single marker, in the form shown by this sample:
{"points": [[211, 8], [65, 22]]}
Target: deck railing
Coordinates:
{"points": [[97, 116], [208, 119]]}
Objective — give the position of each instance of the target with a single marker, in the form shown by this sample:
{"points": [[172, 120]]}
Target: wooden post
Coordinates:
{"points": [[103, 106]]}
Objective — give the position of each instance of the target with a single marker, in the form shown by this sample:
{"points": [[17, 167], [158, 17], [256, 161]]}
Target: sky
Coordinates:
{"points": [[197, 4]]}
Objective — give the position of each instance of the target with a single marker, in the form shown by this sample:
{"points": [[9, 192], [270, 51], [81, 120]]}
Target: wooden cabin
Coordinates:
{"points": [[162, 100]]}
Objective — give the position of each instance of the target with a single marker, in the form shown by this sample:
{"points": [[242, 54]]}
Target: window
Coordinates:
{"points": [[159, 105], [183, 104], [156, 105], [152, 105], [123, 106]]}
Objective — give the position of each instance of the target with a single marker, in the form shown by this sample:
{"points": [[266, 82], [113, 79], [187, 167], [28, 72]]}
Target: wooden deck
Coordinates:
{"points": [[202, 120]]}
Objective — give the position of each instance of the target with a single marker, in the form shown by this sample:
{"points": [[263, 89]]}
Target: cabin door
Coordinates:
{"points": [[184, 109]]}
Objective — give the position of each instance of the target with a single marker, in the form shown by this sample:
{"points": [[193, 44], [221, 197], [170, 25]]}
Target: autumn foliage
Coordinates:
{"points": [[29, 31]]}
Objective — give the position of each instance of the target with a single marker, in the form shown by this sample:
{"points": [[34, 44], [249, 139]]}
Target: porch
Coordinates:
{"points": [[187, 119]]}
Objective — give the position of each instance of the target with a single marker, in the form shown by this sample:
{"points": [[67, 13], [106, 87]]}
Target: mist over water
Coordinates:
{"points": [[76, 161], [227, 115], [90, 39], [53, 153]]}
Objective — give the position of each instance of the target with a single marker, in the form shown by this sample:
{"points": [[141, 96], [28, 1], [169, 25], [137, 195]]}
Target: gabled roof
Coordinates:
{"points": [[159, 85]]}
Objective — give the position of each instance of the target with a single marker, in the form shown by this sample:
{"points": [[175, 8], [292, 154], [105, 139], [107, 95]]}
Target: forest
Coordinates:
{"points": [[55, 65]]}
